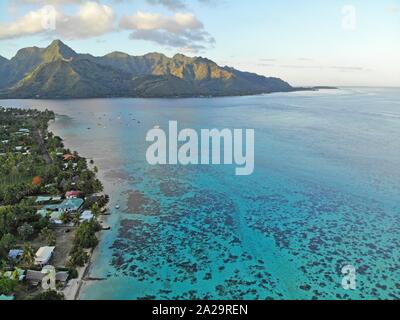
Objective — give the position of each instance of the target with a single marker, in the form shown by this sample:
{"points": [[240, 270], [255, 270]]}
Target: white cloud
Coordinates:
{"points": [[29, 24], [92, 19], [45, 2], [182, 30], [152, 21]]}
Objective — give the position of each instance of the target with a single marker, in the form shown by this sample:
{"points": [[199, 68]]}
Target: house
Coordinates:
{"points": [[86, 216], [43, 255], [16, 274], [36, 277], [15, 254], [71, 205], [72, 194], [23, 130], [55, 217], [68, 157], [68, 205], [6, 298], [43, 199]]}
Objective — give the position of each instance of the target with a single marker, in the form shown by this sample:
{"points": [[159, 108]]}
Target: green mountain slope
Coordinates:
{"points": [[73, 79], [27, 59], [59, 72]]}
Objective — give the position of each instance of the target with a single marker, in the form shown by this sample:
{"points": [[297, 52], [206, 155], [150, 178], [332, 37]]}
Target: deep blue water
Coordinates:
{"points": [[325, 193]]}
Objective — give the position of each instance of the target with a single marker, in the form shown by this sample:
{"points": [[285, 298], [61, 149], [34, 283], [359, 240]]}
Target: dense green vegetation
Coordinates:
{"points": [[85, 238], [48, 296], [59, 72], [21, 161], [7, 286], [32, 164]]}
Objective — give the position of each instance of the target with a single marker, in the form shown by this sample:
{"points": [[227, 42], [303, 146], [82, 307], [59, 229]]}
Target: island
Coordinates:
{"points": [[58, 72]]}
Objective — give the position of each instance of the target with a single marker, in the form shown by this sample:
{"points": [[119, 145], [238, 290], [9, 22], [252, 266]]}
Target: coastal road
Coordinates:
{"points": [[42, 145]]}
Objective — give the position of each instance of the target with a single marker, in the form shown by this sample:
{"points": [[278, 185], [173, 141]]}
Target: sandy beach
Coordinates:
{"points": [[74, 286], [72, 289]]}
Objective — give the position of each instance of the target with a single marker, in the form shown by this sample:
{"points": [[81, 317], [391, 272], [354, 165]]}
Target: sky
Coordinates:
{"points": [[305, 42]]}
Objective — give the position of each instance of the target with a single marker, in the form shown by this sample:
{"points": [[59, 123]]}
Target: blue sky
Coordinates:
{"points": [[305, 42]]}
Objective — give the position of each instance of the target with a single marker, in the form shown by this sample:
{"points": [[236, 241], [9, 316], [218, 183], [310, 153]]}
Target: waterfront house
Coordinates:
{"points": [[68, 157], [43, 255], [86, 216]]}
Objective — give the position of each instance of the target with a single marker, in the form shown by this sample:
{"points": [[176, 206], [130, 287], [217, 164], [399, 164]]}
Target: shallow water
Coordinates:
{"points": [[325, 194]]}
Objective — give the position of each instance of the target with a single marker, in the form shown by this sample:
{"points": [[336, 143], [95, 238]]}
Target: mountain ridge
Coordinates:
{"points": [[57, 71]]}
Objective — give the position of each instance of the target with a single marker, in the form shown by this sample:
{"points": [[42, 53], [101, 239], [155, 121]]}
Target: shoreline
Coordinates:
{"points": [[295, 89], [84, 273], [65, 201], [73, 289]]}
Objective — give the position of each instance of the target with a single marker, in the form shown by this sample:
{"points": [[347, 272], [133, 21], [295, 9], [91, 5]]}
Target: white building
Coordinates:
{"points": [[87, 216], [43, 255]]}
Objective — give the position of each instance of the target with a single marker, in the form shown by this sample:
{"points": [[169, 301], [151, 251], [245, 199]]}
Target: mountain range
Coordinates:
{"points": [[59, 72]]}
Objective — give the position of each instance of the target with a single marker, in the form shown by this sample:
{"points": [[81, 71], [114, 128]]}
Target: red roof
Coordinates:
{"points": [[68, 157], [70, 194]]}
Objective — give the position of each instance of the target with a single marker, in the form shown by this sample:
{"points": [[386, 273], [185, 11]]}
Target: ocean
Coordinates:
{"points": [[324, 194]]}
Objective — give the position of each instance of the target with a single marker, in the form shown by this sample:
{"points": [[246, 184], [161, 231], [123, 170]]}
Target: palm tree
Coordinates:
{"points": [[48, 236], [76, 219], [95, 209], [28, 257]]}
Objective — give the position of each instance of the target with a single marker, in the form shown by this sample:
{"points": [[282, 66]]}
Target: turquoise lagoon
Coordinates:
{"points": [[325, 193]]}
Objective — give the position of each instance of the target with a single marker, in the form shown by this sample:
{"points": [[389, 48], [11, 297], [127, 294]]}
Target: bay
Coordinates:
{"points": [[325, 194]]}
